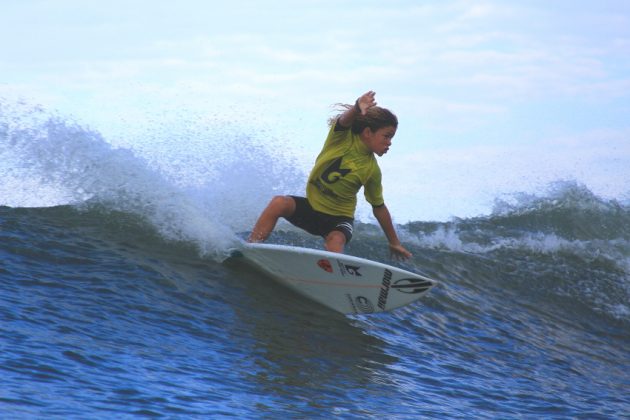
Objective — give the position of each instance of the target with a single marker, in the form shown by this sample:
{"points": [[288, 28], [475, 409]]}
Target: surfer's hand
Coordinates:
{"points": [[399, 252], [365, 102]]}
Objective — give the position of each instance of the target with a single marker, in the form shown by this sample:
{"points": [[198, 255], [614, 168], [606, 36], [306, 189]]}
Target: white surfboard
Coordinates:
{"points": [[347, 284]]}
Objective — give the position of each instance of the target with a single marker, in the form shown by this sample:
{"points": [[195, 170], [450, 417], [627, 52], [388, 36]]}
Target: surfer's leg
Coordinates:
{"points": [[335, 241], [279, 206]]}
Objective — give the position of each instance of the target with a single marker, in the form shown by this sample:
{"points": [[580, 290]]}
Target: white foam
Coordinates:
{"points": [[450, 238], [200, 185]]}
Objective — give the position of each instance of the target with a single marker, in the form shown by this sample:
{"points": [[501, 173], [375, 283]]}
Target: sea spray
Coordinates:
{"points": [[193, 181]]}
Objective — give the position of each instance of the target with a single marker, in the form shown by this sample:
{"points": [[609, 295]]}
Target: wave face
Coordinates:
{"points": [[114, 303], [569, 244]]}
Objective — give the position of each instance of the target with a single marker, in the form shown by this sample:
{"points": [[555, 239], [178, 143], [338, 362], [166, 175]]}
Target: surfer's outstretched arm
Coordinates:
{"points": [[385, 220], [365, 102]]}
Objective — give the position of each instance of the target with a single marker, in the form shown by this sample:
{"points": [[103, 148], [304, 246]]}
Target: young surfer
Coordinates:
{"points": [[345, 164]]}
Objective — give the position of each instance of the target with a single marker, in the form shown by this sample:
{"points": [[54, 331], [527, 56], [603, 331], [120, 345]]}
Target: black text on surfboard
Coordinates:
{"points": [[352, 270], [382, 297]]}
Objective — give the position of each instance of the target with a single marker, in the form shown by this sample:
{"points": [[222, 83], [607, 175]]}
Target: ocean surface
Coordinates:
{"points": [[115, 303]]}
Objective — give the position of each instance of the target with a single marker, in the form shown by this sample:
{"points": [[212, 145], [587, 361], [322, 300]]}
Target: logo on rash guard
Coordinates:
{"points": [[334, 172]]}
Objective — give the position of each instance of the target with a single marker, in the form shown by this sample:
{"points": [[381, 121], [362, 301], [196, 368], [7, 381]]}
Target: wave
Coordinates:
{"points": [[192, 184], [544, 250], [569, 217], [568, 245]]}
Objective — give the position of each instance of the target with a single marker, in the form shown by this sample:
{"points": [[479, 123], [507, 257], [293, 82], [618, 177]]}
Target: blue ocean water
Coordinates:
{"points": [[114, 302]]}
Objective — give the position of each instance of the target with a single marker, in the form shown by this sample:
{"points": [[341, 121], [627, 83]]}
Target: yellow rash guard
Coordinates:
{"points": [[343, 166]]}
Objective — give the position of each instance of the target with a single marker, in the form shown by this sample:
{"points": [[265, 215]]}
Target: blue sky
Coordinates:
{"points": [[493, 97]]}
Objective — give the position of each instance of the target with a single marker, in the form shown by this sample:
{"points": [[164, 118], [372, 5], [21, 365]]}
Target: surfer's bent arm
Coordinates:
{"points": [[385, 220], [365, 102]]}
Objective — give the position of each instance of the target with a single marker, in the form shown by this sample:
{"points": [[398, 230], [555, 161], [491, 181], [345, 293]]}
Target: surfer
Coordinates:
{"points": [[345, 164]]}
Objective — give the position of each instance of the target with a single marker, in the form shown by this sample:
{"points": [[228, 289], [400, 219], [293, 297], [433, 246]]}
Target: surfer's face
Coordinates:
{"points": [[380, 140]]}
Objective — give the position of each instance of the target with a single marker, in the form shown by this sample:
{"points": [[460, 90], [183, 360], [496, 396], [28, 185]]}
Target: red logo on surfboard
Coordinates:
{"points": [[325, 265]]}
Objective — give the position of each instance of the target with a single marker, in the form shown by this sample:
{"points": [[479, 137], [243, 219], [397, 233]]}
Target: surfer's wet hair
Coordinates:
{"points": [[375, 118]]}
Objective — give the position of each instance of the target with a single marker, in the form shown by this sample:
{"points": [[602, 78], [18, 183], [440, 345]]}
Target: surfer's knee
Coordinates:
{"points": [[282, 205], [335, 241]]}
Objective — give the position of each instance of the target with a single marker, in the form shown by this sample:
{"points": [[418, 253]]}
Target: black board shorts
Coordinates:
{"points": [[317, 223]]}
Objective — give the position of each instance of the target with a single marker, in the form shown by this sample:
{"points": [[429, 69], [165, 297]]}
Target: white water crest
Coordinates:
{"points": [[198, 180]]}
